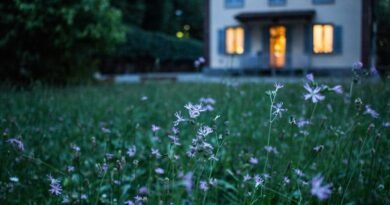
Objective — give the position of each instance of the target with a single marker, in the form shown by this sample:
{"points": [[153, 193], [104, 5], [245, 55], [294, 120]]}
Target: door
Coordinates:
{"points": [[277, 46]]}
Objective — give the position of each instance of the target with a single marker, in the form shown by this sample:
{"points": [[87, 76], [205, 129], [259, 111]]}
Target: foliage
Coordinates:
{"points": [[158, 46], [92, 128], [57, 40]]}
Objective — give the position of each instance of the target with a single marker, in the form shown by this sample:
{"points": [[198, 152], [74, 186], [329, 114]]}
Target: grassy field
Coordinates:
{"points": [[119, 144]]}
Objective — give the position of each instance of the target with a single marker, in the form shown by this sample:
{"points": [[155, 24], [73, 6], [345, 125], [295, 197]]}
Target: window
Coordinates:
{"points": [[323, 1], [277, 2], [323, 38], [234, 40], [234, 3]]}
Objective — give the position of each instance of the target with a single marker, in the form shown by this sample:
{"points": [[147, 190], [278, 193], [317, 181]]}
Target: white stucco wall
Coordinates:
{"points": [[345, 13]]}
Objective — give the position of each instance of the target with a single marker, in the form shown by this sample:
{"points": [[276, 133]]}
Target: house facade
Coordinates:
{"points": [[287, 34]]}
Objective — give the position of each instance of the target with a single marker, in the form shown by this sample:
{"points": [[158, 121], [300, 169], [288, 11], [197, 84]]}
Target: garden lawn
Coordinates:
{"points": [[117, 144]]}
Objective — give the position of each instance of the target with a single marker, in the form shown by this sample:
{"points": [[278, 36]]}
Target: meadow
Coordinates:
{"points": [[178, 143]]}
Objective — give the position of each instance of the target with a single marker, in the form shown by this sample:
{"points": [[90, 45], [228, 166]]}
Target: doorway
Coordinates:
{"points": [[277, 46]]}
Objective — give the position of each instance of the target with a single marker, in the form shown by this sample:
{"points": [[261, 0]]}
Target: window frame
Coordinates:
{"points": [[312, 39], [243, 40], [323, 2], [272, 3], [230, 6]]}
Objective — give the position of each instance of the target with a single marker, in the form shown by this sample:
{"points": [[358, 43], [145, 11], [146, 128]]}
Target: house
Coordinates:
{"points": [[287, 35]]}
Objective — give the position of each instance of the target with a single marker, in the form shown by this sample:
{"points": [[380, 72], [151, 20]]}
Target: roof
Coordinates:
{"points": [[276, 15]]}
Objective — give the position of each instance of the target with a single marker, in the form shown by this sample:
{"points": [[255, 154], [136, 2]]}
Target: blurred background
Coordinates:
{"points": [[67, 41]]}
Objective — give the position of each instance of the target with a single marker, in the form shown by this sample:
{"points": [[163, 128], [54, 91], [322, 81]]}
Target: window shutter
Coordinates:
{"points": [[247, 39], [221, 42], [289, 40], [308, 40], [337, 40], [265, 41]]}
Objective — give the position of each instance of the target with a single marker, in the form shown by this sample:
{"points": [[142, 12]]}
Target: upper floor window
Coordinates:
{"points": [[277, 2], [323, 1], [234, 41], [234, 3], [323, 38]]}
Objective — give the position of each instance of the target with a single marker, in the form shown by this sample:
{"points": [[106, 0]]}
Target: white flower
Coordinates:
{"points": [[314, 94], [204, 131], [278, 109], [371, 112], [194, 110], [159, 170]]}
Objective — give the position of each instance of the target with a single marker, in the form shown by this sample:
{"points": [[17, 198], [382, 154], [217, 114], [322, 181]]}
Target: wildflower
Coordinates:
{"points": [[386, 124], [18, 143], [213, 158], [204, 131], [314, 94], [105, 167], [84, 196], [286, 180], [357, 65], [105, 130], [143, 190], [187, 181], [310, 77], [14, 179], [179, 119], [302, 122], [212, 181], [203, 185], [144, 98], [55, 186], [207, 101], [129, 202], [155, 128], [247, 177], [258, 181], [278, 86], [253, 160], [131, 151], [75, 148], [194, 110], [201, 60], [266, 176], [159, 170], [371, 112], [322, 192], [70, 169], [318, 148], [337, 89], [299, 172], [109, 155], [278, 109], [138, 198], [271, 149], [156, 153]]}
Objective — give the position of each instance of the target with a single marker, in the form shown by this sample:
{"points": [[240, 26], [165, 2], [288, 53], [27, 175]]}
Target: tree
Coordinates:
{"points": [[56, 41]]}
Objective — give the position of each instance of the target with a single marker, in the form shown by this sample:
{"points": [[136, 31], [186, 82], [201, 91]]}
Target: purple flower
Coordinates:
{"points": [[204, 131], [278, 86], [271, 149], [201, 60], [179, 119], [357, 65], [131, 151], [156, 153], [258, 180], [187, 181], [318, 148], [371, 112], [299, 172], [310, 77], [286, 180], [253, 160], [194, 110], [314, 94], [55, 186], [247, 177], [70, 169], [75, 148], [19, 144], [129, 202], [155, 128], [143, 190], [109, 155], [302, 122], [322, 192], [337, 89], [278, 109], [203, 185], [159, 170], [105, 167], [386, 124]]}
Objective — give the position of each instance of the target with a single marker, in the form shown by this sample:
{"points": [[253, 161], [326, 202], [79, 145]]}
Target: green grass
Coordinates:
{"points": [[354, 158]]}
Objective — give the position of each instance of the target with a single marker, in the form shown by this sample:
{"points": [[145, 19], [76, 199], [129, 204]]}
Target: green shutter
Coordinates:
{"points": [[221, 42], [247, 39], [337, 40], [308, 39], [265, 41]]}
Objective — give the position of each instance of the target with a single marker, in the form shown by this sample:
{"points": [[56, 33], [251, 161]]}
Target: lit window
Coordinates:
{"points": [[235, 40], [323, 38]]}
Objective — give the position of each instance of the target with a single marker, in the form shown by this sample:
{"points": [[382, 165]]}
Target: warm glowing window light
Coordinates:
{"points": [[235, 40], [323, 38]]}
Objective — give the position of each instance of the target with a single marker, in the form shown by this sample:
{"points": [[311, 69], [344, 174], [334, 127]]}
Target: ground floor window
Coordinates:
{"points": [[234, 40], [323, 38]]}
